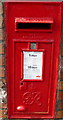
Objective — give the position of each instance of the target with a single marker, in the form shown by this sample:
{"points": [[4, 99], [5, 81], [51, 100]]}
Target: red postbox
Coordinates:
{"points": [[33, 31]]}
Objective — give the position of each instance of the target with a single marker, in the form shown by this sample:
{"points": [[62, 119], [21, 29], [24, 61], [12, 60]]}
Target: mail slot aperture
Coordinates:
{"points": [[33, 26], [43, 24]]}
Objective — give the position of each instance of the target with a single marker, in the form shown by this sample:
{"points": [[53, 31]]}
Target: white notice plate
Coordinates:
{"points": [[32, 67]]}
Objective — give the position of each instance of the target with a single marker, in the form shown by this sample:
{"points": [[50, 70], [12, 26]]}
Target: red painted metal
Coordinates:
{"points": [[62, 10], [32, 98]]}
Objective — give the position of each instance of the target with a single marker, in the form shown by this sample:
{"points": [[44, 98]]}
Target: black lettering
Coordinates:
{"points": [[29, 66], [34, 67], [33, 55]]}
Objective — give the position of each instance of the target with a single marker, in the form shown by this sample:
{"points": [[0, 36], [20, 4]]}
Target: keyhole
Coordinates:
{"points": [[21, 83]]}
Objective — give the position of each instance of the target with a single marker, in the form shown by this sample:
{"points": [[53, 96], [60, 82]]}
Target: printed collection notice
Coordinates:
{"points": [[32, 67]]}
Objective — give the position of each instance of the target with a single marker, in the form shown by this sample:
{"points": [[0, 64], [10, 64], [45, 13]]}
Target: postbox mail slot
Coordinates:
{"points": [[34, 24]]}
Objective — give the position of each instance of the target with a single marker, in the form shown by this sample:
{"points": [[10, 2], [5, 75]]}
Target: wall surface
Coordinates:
{"points": [[3, 86]]}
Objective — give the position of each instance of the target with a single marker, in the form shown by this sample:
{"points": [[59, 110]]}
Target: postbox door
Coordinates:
{"points": [[33, 67]]}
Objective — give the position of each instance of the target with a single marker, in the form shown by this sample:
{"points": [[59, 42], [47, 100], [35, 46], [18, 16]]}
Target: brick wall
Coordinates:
{"points": [[59, 107], [3, 94], [3, 87]]}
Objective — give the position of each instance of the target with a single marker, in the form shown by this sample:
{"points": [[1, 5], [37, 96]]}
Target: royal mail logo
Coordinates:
{"points": [[32, 97]]}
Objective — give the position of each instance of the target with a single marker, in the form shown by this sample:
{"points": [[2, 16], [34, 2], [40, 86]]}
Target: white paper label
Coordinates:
{"points": [[33, 62]]}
